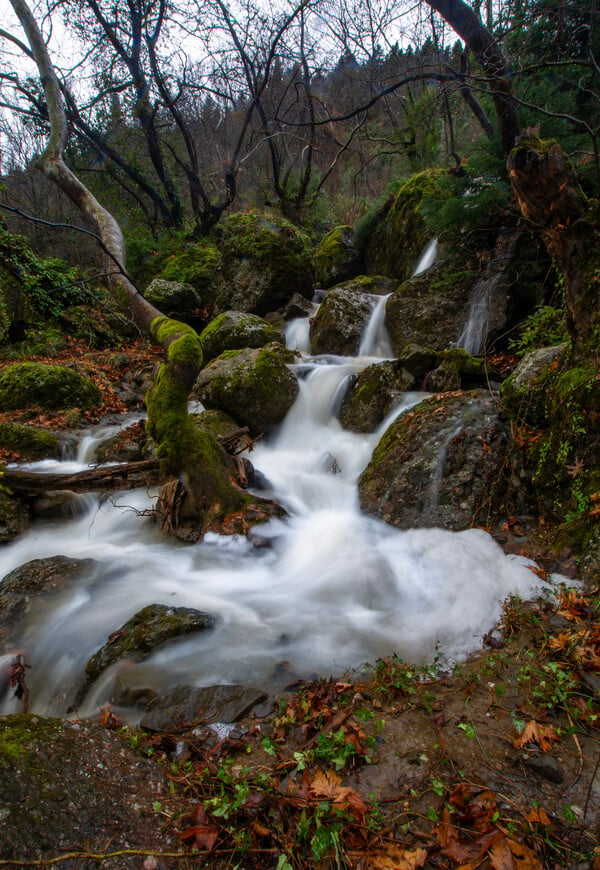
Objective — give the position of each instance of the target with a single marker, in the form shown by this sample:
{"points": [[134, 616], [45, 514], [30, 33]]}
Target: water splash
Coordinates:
{"points": [[427, 258]]}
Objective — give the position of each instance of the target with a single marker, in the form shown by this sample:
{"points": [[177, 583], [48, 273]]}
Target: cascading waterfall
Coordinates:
{"points": [[427, 258], [375, 340], [334, 589]]}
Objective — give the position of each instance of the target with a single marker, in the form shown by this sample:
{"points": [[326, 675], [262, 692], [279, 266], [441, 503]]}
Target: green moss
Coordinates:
{"points": [[195, 263], [26, 385], [29, 442], [21, 737]]}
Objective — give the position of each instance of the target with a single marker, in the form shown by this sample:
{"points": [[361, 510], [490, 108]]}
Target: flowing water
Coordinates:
{"points": [[336, 588]]}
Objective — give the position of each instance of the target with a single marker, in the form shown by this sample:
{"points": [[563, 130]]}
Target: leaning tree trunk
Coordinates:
{"points": [[545, 186], [482, 43], [204, 495]]}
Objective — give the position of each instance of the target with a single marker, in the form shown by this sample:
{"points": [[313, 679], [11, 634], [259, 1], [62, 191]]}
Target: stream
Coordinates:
{"points": [[336, 588]]}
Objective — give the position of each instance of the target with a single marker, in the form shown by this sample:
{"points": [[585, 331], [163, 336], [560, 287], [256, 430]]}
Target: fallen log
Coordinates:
{"points": [[129, 475]]}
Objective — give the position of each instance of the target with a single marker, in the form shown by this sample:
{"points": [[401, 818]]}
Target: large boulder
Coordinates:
{"points": [[336, 257], [234, 330], [254, 386], [392, 238], [266, 260], [422, 471], [429, 310], [378, 388], [173, 298], [340, 322], [33, 384], [29, 443], [196, 264]]}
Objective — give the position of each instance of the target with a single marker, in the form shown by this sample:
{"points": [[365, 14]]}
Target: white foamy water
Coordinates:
{"points": [[336, 588]]}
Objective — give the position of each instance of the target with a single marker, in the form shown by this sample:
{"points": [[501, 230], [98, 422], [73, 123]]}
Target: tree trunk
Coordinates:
{"points": [[481, 42], [206, 473]]}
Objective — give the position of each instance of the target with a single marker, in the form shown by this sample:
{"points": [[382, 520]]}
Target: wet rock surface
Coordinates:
{"points": [[378, 388], [421, 473], [235, 330], [184, 704], [144, 632], [340, 321]]}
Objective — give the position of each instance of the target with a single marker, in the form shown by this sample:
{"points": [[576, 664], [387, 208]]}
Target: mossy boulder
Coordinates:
{"points": [[378, 388], [190, 263], [174, 298], [29, 443], [14, 516], [143, 633], [26, 385], [266, 260], [392, 238], [65, 784], [340, 322], [421, 472], [254, 386], [336, 257], [524, 392], [429, 310], [456, 370], [217, 423], [234, 330]]}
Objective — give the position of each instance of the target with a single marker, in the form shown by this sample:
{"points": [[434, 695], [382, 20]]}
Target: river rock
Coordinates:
{"points": [[378, 388], [266, 259], [338, 325], [234, 330], [524, 391], [336, 257], [21, 590], [128, 445], [421, 473], [183, 704], [143, 633], [174, 298], [33, 384], [428, 310], [254, 386], [68, 786], [14, 517]]}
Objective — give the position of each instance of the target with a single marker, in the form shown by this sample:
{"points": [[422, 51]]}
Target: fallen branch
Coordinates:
{"points": [[130, 475]]}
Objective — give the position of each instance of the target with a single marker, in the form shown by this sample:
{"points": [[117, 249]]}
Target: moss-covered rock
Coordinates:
{"points": [[65, 784], [524, 392], [217, 423], [195, 263], [30, 443], [143, 633], [429, 310], [173, 297], [254, 386], [26, 385], [421, 472], [234, 330], [340, 322], [391, 239], [14, 516], [336, 257], [378, 388], [266, 260]]}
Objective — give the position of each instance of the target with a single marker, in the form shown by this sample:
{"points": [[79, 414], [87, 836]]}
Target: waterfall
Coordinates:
{"points": [[375, 339], [427, 258], [334, 589], [475, 330]]}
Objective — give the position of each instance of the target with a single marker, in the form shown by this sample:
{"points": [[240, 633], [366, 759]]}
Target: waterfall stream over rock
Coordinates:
{"points": [[333, 589]]}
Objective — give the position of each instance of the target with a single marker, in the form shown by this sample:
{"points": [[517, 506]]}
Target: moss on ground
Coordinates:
{"points": [[26, 385]]}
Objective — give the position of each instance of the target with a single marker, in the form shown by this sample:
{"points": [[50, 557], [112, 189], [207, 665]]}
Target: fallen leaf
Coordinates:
{"points": [[533, 732], [326, 785], [538, 816], [397, 858]]}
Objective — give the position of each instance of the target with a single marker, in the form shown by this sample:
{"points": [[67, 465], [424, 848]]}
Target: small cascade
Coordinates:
{"points": [[335, 588], [433, 492], [376, 338], [297, 334], [427, 258], [474, 332]]}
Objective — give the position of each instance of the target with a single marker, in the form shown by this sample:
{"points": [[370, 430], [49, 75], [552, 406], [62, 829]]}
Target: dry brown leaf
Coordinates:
{"points": [[397, 858], [538, 816], [534, 732], [326, 784]]}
